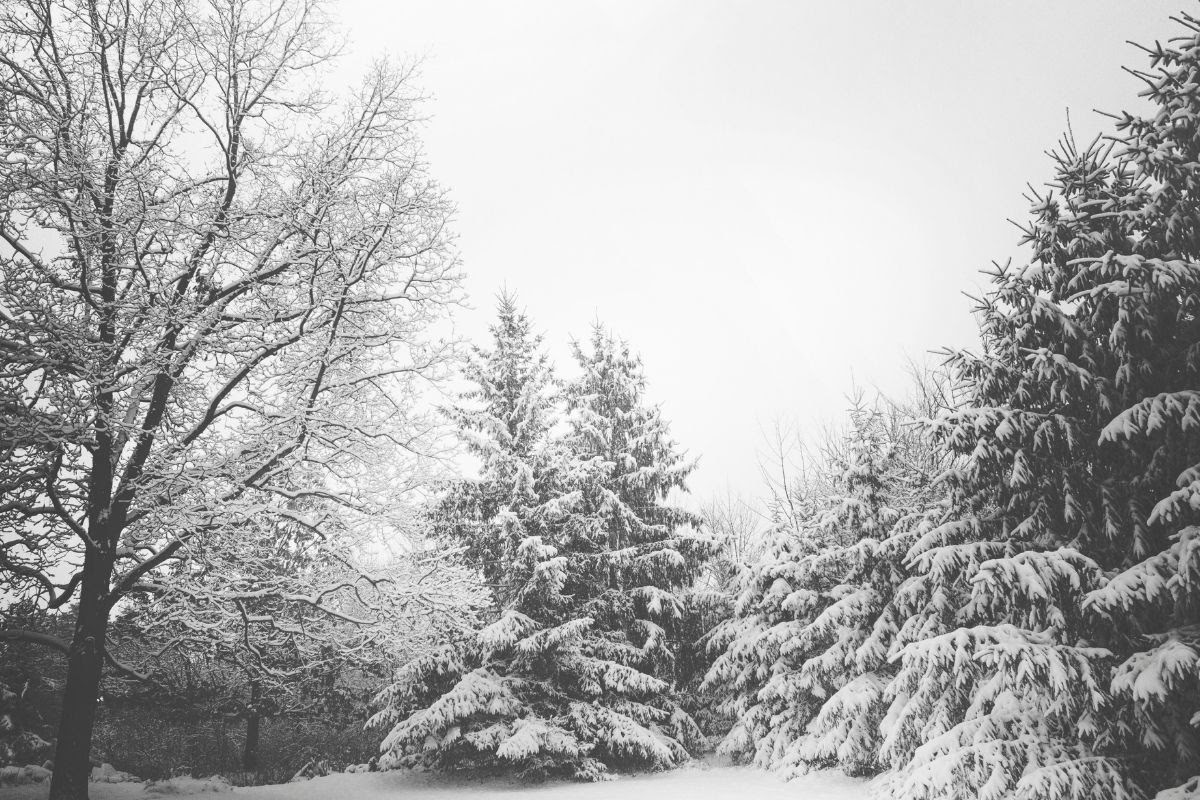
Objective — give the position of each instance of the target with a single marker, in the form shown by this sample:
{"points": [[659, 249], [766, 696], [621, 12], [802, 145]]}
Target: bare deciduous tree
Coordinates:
{"points": [[740, 530], [786, 464], [214, 289], [795, 466]]}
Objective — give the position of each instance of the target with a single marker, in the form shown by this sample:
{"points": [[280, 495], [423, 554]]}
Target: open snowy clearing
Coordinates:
{"points": [[682, 784]]}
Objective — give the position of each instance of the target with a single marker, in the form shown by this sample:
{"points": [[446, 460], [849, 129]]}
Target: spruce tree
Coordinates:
{"points": [[1035, 635], [633, 553], [1149, 613], [886, 497], [573, 678], [751, 652], [636, 550], [488, 702], [1000, 690], [805, 655], [504, 421], [1050, 649]]}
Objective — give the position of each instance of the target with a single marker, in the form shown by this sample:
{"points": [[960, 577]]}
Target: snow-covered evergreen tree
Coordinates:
{"points": [[1149, 298], [886, 496], [750, 652], [999, 692], [1041, 640], [1050, 647], [636, 551], [804, 658], [740, 534], [504, 420], [574, 678]]}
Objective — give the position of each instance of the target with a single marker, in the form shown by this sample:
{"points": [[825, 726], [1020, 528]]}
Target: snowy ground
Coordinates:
{"points": [[694, 783]]}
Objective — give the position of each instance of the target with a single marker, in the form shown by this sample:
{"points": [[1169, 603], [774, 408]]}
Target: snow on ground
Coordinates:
{"points": [[689, 783]]}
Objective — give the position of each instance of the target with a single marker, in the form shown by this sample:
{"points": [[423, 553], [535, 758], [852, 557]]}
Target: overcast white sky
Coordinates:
{"points": [[768, 199]]}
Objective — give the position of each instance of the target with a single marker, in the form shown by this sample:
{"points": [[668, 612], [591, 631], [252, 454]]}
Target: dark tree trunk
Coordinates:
{"points": [[72, 754], [253, 722], [250, 751]]}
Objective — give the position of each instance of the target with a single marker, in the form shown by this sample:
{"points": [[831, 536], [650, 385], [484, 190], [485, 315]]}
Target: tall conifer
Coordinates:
{"points": [[575, 676]]}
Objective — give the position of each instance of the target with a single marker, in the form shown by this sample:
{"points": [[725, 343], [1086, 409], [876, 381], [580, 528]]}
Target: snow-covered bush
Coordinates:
{"points": [[107, 773], [13, 775]]}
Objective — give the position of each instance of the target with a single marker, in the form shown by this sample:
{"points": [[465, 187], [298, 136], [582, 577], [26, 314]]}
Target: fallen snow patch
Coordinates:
{"points": [[690, 783], [107, 773], [188, 785], [18, 776]]}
